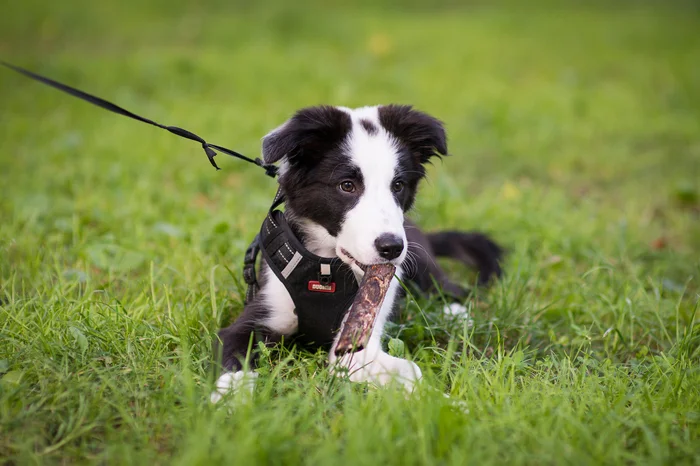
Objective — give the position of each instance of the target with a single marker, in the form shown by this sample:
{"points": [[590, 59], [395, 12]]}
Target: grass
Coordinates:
{"points": [[574, 130]]}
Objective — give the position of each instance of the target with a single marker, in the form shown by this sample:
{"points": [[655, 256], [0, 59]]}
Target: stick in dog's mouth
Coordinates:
{"points": [[358, 324]]}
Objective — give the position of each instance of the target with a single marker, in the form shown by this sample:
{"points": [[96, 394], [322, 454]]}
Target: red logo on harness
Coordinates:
{"points": [[321, 288]]}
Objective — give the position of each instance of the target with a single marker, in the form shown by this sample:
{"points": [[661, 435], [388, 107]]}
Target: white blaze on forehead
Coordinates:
{"points": [[376, 154]]}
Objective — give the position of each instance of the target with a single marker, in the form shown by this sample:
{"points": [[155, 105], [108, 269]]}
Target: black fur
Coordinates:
{"points": [[307, 136], [420, 137], [245, 332], [473, 249], [311, 141], [369, 127], [422, 134]]}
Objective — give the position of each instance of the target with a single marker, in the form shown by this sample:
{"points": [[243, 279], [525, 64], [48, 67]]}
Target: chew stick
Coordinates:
{"points": [[359, 322]]}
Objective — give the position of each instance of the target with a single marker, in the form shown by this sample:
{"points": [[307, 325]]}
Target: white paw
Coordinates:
{"points": [[387, 369], [458, 310], [234, 382], [380, 370]]}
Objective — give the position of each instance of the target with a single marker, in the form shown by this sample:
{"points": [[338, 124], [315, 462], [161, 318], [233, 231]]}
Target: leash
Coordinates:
{"points": [[209, 149]]}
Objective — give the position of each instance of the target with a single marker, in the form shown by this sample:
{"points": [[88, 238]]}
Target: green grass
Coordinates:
{"points": [[574, 132]]}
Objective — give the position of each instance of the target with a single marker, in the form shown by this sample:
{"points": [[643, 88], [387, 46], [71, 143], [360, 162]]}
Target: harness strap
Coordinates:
{"points": [[251, 254], [249, 275]]}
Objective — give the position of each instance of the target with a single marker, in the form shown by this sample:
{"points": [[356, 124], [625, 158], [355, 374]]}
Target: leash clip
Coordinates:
{"points": [[270, 170]]}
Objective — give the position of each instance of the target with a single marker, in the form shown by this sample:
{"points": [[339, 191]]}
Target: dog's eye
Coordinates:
{"points": [[397, 186], [347, 186]]}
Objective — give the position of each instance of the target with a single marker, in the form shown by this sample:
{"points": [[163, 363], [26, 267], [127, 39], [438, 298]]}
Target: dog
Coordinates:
{"points": [[348, 177]]}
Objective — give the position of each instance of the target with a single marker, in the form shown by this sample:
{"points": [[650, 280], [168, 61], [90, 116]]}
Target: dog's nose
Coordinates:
{"points": [[389, 246]]}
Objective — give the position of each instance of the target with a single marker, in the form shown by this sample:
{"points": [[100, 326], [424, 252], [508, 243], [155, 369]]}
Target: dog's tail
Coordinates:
{"points": [[473, 249]]}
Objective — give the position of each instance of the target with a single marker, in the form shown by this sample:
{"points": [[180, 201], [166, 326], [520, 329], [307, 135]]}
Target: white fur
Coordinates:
{"points": [[234, 382], [275, 296], [377, 211], [318, 241]]}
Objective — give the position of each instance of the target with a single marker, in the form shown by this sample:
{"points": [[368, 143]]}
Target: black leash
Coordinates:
{"points": [[209, 149]]}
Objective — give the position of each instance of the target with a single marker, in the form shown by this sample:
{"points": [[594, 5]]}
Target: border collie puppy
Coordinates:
{"points": [[348, 177]]}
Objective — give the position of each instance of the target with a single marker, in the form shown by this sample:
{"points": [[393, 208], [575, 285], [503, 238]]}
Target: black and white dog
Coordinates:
{"points": [[349, 176]]}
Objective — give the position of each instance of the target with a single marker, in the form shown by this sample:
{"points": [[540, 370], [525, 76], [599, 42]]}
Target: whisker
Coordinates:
{"points": [[422, 248], [411, 263]]}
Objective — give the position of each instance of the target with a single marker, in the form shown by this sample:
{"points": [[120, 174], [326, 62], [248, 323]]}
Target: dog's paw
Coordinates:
{"points": [[458, 310], [234, 382], [389, 369], [380, 370]]}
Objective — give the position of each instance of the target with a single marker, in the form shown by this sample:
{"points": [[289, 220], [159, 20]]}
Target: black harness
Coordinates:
{"points": [[322, 289]]}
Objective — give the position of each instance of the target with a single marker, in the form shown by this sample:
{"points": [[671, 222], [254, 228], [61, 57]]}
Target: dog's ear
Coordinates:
{"points": [[422, 134], [308, 134]]}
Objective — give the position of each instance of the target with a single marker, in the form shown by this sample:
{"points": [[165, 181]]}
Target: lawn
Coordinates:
{"points": [[575, 141]]}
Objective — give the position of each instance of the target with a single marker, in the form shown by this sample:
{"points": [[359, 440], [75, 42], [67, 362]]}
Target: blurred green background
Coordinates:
{"points": [[574, 133]]}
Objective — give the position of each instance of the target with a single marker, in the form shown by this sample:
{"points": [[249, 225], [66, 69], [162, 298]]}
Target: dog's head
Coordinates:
{"points": [[349, 175]]}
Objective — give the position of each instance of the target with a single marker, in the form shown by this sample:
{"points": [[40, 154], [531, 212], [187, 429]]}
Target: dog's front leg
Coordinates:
{"points": [[237, 360], [270, 315], [236, 340], [373, 364]]}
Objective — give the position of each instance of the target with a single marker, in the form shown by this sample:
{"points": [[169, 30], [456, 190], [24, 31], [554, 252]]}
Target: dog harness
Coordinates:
{"points": [[322, 289]]}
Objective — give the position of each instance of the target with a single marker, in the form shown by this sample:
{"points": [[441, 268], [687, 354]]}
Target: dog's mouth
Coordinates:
{"points": [[352, 260]]}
